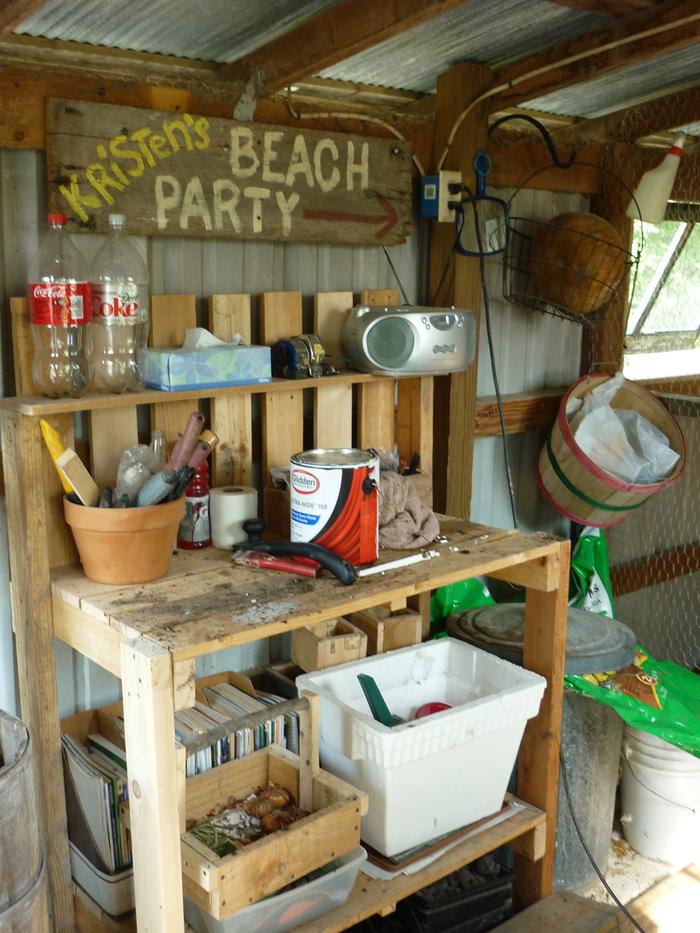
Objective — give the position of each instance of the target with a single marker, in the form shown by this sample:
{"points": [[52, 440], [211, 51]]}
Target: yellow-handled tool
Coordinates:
{"points": [[55, 448]]}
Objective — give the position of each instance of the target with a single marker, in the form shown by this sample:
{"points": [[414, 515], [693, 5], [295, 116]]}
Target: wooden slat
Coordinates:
{"points": [[665, 28], [103, 645], [529, 164], [231, 416], [90, 918], [526, 411], [344, 29], [654, 569], [29, 544], [22, 347], [670, 903], [538, 764], [455, 403], [414, 421], [171, 315], [153, 793], [376, 413], [332, 403], [111, 432], [564, 911], [283, 415]]}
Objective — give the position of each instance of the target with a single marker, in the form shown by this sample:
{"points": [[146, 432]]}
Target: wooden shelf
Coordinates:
{"points": [[43, 407], [375, 896]]}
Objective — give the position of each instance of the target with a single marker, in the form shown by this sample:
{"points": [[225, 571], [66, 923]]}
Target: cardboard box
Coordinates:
{"points": [[206, 367]]}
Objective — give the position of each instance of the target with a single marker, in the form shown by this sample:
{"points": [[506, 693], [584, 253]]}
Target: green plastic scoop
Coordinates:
{"points": [[377, 703]]}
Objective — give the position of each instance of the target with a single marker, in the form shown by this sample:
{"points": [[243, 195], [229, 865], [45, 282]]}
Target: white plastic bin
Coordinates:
{"points": [[433, 775], [114, 893], [285, 911]]}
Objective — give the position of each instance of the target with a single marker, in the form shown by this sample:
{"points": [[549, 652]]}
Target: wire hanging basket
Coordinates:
{"points": [[570, 266]]}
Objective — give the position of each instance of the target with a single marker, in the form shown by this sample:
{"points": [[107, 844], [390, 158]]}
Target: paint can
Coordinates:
{"points": [[333, 496]]}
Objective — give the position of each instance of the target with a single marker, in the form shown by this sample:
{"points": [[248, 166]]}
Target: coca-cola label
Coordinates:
{"points": [[116, 306], [60, 303]]}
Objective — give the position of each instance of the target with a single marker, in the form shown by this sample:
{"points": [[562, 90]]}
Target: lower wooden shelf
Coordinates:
{"points": [[374, 896]]}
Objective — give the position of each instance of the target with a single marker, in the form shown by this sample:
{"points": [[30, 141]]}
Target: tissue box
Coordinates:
{"points": [[206, 367]]}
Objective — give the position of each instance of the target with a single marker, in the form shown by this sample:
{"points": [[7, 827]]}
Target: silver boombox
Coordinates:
{"points": [[409, 340]]}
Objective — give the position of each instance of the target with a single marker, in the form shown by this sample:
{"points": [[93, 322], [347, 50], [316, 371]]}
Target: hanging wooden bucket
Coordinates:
{"points": [[576, 486], [23, 902]]}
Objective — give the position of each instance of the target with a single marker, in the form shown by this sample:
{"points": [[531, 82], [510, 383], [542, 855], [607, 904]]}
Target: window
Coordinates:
{"points": [[663, 329]]}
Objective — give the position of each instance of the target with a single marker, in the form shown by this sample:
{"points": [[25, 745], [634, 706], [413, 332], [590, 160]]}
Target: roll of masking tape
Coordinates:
{"points": [[229, 507]]}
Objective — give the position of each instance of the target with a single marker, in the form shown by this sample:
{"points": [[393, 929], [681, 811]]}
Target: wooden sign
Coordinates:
{"points": [[176, 174]]}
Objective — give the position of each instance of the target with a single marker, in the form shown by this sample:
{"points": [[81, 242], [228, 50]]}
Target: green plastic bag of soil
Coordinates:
{"points": [[456, 597], [590, 574], [659, 697]]}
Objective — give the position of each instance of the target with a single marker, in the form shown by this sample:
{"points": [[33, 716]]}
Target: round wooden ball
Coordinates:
{"points": [[576, 261]]}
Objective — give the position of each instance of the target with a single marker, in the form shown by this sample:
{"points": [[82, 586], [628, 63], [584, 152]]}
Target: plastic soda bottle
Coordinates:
{"points": [[60, 311], [120, 313], [195, 531]]}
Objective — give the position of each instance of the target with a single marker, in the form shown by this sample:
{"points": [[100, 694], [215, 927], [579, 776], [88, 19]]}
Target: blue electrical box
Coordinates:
{"points": [[429, 190]]}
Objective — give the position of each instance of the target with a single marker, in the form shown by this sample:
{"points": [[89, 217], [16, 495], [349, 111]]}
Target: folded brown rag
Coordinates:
{"points": [[404, 522]]}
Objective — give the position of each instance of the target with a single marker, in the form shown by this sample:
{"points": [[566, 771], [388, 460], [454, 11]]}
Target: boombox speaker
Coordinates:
{"points": [[409, 340]]}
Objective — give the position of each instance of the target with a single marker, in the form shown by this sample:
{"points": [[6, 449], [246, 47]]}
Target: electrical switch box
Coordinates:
{"points": [[435, 196]]}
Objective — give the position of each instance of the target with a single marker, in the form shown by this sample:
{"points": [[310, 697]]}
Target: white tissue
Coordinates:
{"points": [[198, 337]]}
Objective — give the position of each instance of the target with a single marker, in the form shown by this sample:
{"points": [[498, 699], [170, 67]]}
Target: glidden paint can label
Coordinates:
{"points": [[334, 502]]}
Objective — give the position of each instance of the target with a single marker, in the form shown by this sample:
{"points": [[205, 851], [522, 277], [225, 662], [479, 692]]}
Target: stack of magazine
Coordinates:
{"points": [[96, 784], [223, 703]]}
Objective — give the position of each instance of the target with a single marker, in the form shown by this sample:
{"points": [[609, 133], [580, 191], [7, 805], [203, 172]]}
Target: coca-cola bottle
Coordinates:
{"points": [[120, 313], [60, 310]]}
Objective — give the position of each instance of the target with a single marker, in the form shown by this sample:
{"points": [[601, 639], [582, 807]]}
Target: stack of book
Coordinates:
{"points": [[224, 702], [96, 785]]}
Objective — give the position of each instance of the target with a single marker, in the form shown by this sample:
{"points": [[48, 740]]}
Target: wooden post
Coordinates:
{"points": [[538, 767], [455, 398], [603, 346], [27, 507], [154, 795]]}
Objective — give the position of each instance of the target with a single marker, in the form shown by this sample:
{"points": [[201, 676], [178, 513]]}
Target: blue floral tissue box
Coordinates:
{"points": [[207, 367]]}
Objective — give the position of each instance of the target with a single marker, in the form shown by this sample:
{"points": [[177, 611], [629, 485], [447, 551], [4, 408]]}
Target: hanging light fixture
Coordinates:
{"points": [[654, 188]]}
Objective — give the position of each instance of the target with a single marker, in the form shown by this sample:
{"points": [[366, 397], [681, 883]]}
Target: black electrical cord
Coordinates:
{"points": [[396, 276], [596, 869], [494, 371], [450, 256], [545, 135]]}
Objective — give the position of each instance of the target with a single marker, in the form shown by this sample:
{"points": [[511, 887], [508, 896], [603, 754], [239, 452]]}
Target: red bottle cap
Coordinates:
{"points": [[56, 217]]}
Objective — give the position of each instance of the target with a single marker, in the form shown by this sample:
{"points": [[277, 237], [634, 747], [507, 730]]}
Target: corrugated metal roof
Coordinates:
{"points": [[634, 84], [492, 33], [210, 30]]}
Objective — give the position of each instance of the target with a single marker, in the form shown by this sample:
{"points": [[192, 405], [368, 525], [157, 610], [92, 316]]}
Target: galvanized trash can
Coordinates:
{"points": [[591, 735]]}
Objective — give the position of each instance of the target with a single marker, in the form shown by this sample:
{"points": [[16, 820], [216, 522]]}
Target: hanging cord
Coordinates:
{"points": [[551, 66], [450, 256], [492, 356], [396, 276], [544, 132], [362, 117], [596, 869]]}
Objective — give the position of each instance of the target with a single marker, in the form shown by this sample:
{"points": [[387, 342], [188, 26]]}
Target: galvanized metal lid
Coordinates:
{"points": [[593, 643], [333, 457]]}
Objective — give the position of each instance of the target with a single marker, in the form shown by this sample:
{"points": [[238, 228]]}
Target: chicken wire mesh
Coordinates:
{"points": [[655, 553]]}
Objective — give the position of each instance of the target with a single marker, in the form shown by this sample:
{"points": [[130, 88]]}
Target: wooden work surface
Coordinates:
{"points": [[207, 603]]}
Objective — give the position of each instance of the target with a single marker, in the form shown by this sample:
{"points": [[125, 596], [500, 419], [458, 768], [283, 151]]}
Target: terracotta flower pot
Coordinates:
{"points": [[125, 545]]}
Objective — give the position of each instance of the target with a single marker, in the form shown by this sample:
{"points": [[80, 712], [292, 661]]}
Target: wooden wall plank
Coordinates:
{"points": [[111, 432], [24, 459], [332, 403], [231, 418], [376, 414], [282, 412], [171, 315], [22, 347], [455, 402]]}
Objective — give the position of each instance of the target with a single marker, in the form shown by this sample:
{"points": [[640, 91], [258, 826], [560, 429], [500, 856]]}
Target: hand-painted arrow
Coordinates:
{"points": [[387, 218]]}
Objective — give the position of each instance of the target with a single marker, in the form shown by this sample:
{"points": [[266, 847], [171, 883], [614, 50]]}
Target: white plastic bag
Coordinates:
{"points": [[621, 441]]}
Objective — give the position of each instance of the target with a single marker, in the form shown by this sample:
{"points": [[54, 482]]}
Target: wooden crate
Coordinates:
{"points": [[222, 886], [387, 630], [327, 644]]}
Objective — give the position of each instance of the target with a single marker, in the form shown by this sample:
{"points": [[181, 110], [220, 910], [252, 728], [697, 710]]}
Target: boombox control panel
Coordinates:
{"points": [[409, 340]]}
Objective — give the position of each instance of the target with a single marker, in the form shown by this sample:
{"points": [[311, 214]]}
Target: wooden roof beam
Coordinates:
{"points": [[337, 33], [628, 41]]}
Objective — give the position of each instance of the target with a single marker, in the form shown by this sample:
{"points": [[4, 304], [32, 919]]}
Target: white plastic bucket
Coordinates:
{"points": [[660, 799]]}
